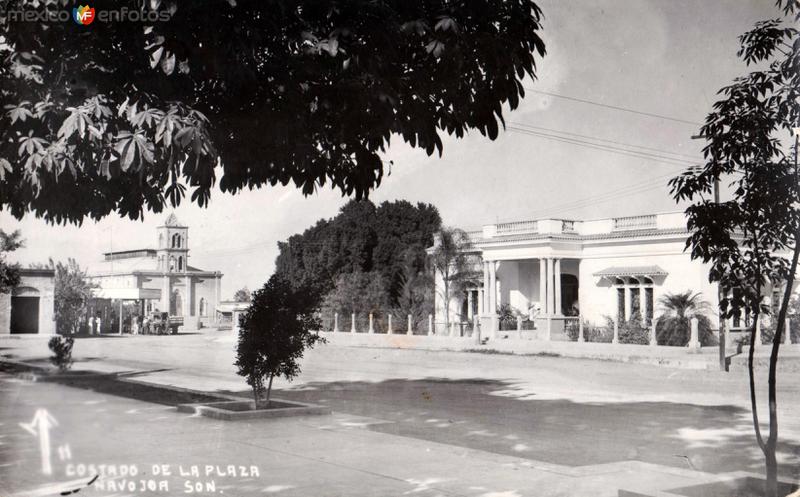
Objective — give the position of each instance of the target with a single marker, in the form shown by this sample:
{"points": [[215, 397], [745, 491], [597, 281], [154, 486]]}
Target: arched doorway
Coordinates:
{"points": [[24, 310], [569, 295], [176, 303]]}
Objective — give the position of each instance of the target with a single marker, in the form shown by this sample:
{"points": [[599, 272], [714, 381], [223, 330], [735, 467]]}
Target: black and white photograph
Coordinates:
{"points": [[388, 248]]}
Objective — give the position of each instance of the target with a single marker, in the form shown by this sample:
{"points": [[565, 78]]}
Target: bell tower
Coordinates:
{"points": [[173, 246]]}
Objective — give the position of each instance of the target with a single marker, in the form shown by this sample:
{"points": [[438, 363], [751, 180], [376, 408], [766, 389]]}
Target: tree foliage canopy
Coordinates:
{"points": [[123, 116], [362, 238], [745, 238]]}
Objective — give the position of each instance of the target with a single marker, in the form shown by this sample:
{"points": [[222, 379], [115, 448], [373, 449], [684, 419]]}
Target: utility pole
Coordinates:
{"points": [[723, 360]]}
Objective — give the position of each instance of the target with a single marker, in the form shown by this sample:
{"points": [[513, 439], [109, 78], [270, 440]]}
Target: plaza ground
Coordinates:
{"points": [[405, 421]]}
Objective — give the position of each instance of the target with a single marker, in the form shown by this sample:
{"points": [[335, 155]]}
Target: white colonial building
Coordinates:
{"points": [[158, 279], [554, 270]]}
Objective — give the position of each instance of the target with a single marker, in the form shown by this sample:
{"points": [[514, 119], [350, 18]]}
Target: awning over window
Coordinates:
{"points": [[627, 271]]}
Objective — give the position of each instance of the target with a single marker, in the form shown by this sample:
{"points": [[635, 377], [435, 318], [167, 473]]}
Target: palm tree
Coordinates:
{"points": [[673, 327], [450, 259]]}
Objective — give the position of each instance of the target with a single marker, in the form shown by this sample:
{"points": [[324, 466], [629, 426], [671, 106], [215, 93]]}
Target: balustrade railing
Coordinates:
{"points": [[517, 228], [634, 222]]}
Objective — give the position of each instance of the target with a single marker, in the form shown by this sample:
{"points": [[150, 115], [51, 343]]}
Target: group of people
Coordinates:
{"points": [[134, 324], [143, 325]]}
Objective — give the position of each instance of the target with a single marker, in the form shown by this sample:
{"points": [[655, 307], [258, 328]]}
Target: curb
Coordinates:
{"points": [[216, 410]]}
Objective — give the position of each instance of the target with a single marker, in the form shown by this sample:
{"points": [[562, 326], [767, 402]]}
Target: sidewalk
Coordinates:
{"points": [[311, 456], [675, 357]]}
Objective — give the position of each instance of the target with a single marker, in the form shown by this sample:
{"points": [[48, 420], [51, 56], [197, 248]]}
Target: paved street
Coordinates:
{"points": [[545, 410]]}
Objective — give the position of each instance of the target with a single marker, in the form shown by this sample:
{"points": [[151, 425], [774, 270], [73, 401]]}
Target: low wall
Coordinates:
{"points": [[682, 357]]}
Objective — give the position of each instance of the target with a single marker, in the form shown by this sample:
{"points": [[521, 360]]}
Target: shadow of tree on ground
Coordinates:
{"points": [[481, 414]]}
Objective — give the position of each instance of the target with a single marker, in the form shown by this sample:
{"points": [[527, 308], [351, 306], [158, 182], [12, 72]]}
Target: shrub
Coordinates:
{"points": [[674, 326], [62, 351], [632, 331], [591, 332], [507, 318], [572, 329]]}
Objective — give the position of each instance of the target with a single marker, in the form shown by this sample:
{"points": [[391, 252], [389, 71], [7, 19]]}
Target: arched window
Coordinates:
{"points": [[180, 263], [176, 240]]}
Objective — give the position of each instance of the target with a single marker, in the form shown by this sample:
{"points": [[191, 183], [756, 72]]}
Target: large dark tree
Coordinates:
{"points": [[362, 238], [123, 116]]}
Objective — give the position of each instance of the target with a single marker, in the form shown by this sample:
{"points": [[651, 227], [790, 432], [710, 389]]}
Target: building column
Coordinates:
{"points": [[165, 294], [557, 276], [189, 309], [542, 286], [480, 302], [628, 299], [492, 288], [486, 293], [551, 297], [217, 292], [642, 303]]}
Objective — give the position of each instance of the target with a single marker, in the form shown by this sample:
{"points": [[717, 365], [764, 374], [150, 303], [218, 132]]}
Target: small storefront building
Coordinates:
{"points": [[29, 309]]}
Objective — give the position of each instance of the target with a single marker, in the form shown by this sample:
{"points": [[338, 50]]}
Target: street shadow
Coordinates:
{"points": [[478, 413], [113, 384]]}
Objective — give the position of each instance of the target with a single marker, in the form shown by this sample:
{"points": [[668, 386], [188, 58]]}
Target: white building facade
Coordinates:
{"points": [[550, 271]]}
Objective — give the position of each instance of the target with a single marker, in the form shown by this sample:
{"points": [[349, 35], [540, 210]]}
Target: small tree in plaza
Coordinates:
{"points": [[274, 332], [62, 352], [752, 240]]}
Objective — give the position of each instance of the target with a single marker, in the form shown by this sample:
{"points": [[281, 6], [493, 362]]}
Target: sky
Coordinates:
{"points": [[667, 58]]}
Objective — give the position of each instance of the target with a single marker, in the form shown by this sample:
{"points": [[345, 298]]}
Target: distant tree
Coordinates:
{"points": [[362, 238], [9, 273], [72, 293], [450, 259], [753, 239], [242, 295], [274, 332], [673, 327], [124, 116], [73, 290]]}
